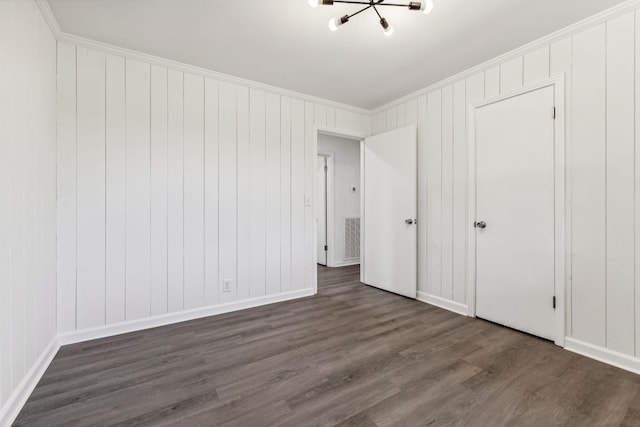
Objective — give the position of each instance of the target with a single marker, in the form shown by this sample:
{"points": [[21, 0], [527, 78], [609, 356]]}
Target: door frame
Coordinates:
{"points": [[330, 176], [562, 217], [356, 136]]}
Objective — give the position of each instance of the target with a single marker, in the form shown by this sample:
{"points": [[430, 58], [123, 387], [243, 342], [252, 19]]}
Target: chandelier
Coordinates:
{"points": [[424, 6]]}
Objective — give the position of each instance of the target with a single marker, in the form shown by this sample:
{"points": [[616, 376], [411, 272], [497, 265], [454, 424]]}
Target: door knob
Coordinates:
{"points": [[480, 224], [408, 221]]}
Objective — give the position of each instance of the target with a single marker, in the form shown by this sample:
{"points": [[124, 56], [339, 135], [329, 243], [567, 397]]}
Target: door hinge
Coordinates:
{"points": [[326, 168], [326, 248], [554, 302], [553, 113]]}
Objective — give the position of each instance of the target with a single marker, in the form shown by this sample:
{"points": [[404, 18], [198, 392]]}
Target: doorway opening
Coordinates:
{"points": [[337, 196]]}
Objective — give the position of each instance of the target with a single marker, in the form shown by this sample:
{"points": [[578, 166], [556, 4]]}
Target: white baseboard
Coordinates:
{"points": [[346, 263], [601, 354], [9, 412], [456, 307], [182, 316]]}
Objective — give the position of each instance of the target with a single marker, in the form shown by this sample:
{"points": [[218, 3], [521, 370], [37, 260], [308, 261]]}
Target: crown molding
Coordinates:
{"points": [[49, 17], [563, 33], [179, 66]]}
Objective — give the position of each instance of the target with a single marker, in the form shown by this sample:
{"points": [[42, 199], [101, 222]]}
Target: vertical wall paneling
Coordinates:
{"points": [[66, 182], [331, 117], [211, 192], [244, 194], [492, 82], [365, 124], [390, 121], [29, 196], [6, 349], [511, 75], [447, 192], [434, 193], [423, 229], [19, 195], [320, 113], [620, 146], [28, 186], [536, 65], [297, 194], [637, 188], [159, 190], [228, 189], [138, 190], [401, 115], [588, 186], [175, 193], [344, 119], [90, 205], [193, 191], [460, 179], [412, 112], [115, 189], [273, 187], [310, 153], [285, 194], [257, 120]]}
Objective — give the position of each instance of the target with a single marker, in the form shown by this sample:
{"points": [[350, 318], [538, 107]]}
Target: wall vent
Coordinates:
{"points": [[352, 238]]}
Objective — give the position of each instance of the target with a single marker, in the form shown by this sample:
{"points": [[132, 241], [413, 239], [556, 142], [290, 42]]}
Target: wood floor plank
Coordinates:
{"points": [[350, 356]]}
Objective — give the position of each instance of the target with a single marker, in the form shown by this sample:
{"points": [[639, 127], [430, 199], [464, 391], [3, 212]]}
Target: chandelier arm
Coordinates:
{"points": [[352, 2], [376, 9], [360, 11]]}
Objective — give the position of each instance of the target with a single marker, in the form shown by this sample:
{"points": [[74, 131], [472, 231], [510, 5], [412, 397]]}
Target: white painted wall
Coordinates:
{"points": [[27, 195], [346, 165], [603, 165], [176, 181]]}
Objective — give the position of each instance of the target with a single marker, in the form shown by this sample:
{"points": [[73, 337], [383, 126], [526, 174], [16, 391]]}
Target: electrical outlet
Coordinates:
{"points": [[226, 285]]}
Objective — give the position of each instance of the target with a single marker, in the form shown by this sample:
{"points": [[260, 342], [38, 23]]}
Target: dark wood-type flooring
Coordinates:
{"points": [[350, 356]]}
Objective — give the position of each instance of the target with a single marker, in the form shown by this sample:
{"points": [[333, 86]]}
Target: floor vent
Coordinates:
{"points": [[352, 237]]}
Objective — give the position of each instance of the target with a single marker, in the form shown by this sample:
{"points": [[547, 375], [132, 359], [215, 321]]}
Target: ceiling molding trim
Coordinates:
{"points": [[563, 33], [49, 17], [191, 69]]}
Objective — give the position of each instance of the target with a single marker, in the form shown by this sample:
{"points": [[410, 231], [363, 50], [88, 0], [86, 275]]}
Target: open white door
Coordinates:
{"points": [[389, 209], [321, 208]]}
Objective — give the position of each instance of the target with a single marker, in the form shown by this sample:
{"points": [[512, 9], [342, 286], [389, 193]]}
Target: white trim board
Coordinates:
{"points": [[49, 17], [347, 263], [12, 407], [604, 355], [443, 303], [568, 31], [182, 316]]}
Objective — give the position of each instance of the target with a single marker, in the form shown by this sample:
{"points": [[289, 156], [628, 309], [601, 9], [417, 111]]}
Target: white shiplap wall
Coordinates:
{"points": [[603, 169], [27, 196], [172, 181]]}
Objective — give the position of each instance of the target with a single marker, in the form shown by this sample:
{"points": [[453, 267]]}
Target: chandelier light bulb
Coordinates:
{"points": [[336, 22], [388, 29], [426, 7], [313, 3]]}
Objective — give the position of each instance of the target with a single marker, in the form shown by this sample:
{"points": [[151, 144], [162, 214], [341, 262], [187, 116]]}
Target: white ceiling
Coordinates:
{"points": [[288, 44]]}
